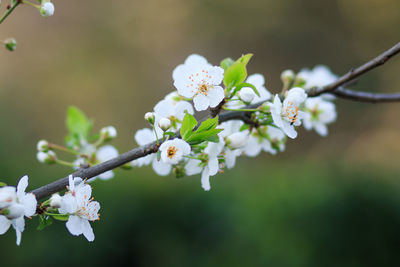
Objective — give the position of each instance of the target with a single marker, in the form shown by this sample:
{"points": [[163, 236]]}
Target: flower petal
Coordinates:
{"points": [[201, 102], [87, 231], [205, 179], [29, 202], [4, 224], [75, 225], [22, 185], [161, 168], [215, 95]]}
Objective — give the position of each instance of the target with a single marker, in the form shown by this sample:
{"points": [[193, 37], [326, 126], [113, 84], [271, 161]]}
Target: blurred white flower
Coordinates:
{"points": [[47, 9], [318, 113]]}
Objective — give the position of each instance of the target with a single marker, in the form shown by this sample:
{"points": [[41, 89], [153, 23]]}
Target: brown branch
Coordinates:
{"points": [[142, 151], [354, 73]]}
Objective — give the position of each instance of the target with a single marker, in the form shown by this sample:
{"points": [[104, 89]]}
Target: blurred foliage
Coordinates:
{"points": [[324, 202]]}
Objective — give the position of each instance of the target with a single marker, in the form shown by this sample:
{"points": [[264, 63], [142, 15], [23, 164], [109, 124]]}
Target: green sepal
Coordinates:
{"points": [[44, 221], [61, 217]]}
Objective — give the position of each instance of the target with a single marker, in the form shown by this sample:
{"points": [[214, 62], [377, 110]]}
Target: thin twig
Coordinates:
{"points": [[143, 151], [10, 10]]}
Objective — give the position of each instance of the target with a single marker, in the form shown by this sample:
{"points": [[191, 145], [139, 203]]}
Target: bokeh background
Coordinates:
{"points": [[331, 201]]}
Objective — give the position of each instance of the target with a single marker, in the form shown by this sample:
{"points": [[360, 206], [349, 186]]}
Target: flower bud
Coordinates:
{"points": [[48, 157], [10, 44], [7, 196], [246, 94], [287, 76], [47, 9], [55, 201], [43, 145], [164, 124], [237, 140], [150, 117], [108, 132], [15, 211]]}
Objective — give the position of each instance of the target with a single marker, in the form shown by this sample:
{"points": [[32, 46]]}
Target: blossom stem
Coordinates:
{"points": [[31, 4], [61, 148], [9, 11], [64, 163]]}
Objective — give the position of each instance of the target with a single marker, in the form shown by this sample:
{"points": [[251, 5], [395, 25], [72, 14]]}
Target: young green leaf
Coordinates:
{"points": [[244, 127], [240, 86], [202, 136], [237, 72], [188, 124], [208, 124], [44, 221], [77, 122], [226, 63]]}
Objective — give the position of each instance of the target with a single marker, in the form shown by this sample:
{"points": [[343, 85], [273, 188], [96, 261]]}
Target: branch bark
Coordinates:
{"points": [[143, 151]]}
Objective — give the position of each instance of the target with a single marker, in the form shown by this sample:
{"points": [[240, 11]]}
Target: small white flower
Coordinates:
{"points": [[246, 94], [288, 115], [7, 196], [198, 79], [46, 157], [319, 76], [55, 201], [23, 204], [208, 167], [318, 113], [77, 203], [173, 107], [287, 75], [164, 124], [108, 132], [237, 140], [42, 145], [47, 9], [144, 137], [172, 151]]}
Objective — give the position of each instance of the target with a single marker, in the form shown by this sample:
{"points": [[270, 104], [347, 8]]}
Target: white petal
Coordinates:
{"points": [[321, 129], [213, 166], [22, 185], [75, 225], [161, 168], [4, 224], [252, 147], [19, 236], [192, 167], [215, 95], [289, 130], [230, 158], [106, 153], [144, 136], [217, 74], [106, 175], [256, 79], [19, 224], [205, 179], [29, 202], [201, 102], [87, 230]]}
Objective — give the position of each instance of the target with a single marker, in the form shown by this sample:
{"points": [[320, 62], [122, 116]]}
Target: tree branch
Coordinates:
{"points": [[10, 10], [354, 73], [143, 151]]}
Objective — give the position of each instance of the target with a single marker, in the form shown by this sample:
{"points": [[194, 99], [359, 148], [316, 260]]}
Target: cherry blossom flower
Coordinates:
{"points": [[266, 138], [80, 207], [288, 115], [172, 151], [318, 113], [197, 79], [173, 107], [47, 9], [21, 204]]}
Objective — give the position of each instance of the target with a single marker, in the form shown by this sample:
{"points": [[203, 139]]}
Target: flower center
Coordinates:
{"points": [[291, 112], [171, 152]]}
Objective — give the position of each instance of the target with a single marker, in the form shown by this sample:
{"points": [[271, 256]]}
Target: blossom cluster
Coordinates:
{"points": [[227, 87]]}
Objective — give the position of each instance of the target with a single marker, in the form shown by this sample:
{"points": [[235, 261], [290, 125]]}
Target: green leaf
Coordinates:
{"points": [[172, 134], [77, 122], [202, 136], [240, 86], [237, 72], [226, 63], [61, 217], [244, 127], [44, 221], [208, 124], [2, 184], [188, 124]]}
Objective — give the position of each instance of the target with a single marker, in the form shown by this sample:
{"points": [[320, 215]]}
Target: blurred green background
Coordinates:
{"points": [[331, 201]]}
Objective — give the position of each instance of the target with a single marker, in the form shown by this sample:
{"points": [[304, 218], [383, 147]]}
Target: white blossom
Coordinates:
{"points": [[42, 145], [8, 195], [24, 204], [80, 207], [172, 151], [267, 138], [288, 115], [318, 113], [173, 107], [246, 94], [108, 132], [197, 79], [164, 124], [55, 201], [47, 9], [46, 157]]}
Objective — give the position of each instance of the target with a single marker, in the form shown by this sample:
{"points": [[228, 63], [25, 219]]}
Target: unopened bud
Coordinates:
{"points": [[48, 157], [55, 201], [108, 132], [287, 76], [246, 94], [10, 44], [150, 117], [237, 140], [164, 124], [43, 145], [47, 9]]}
